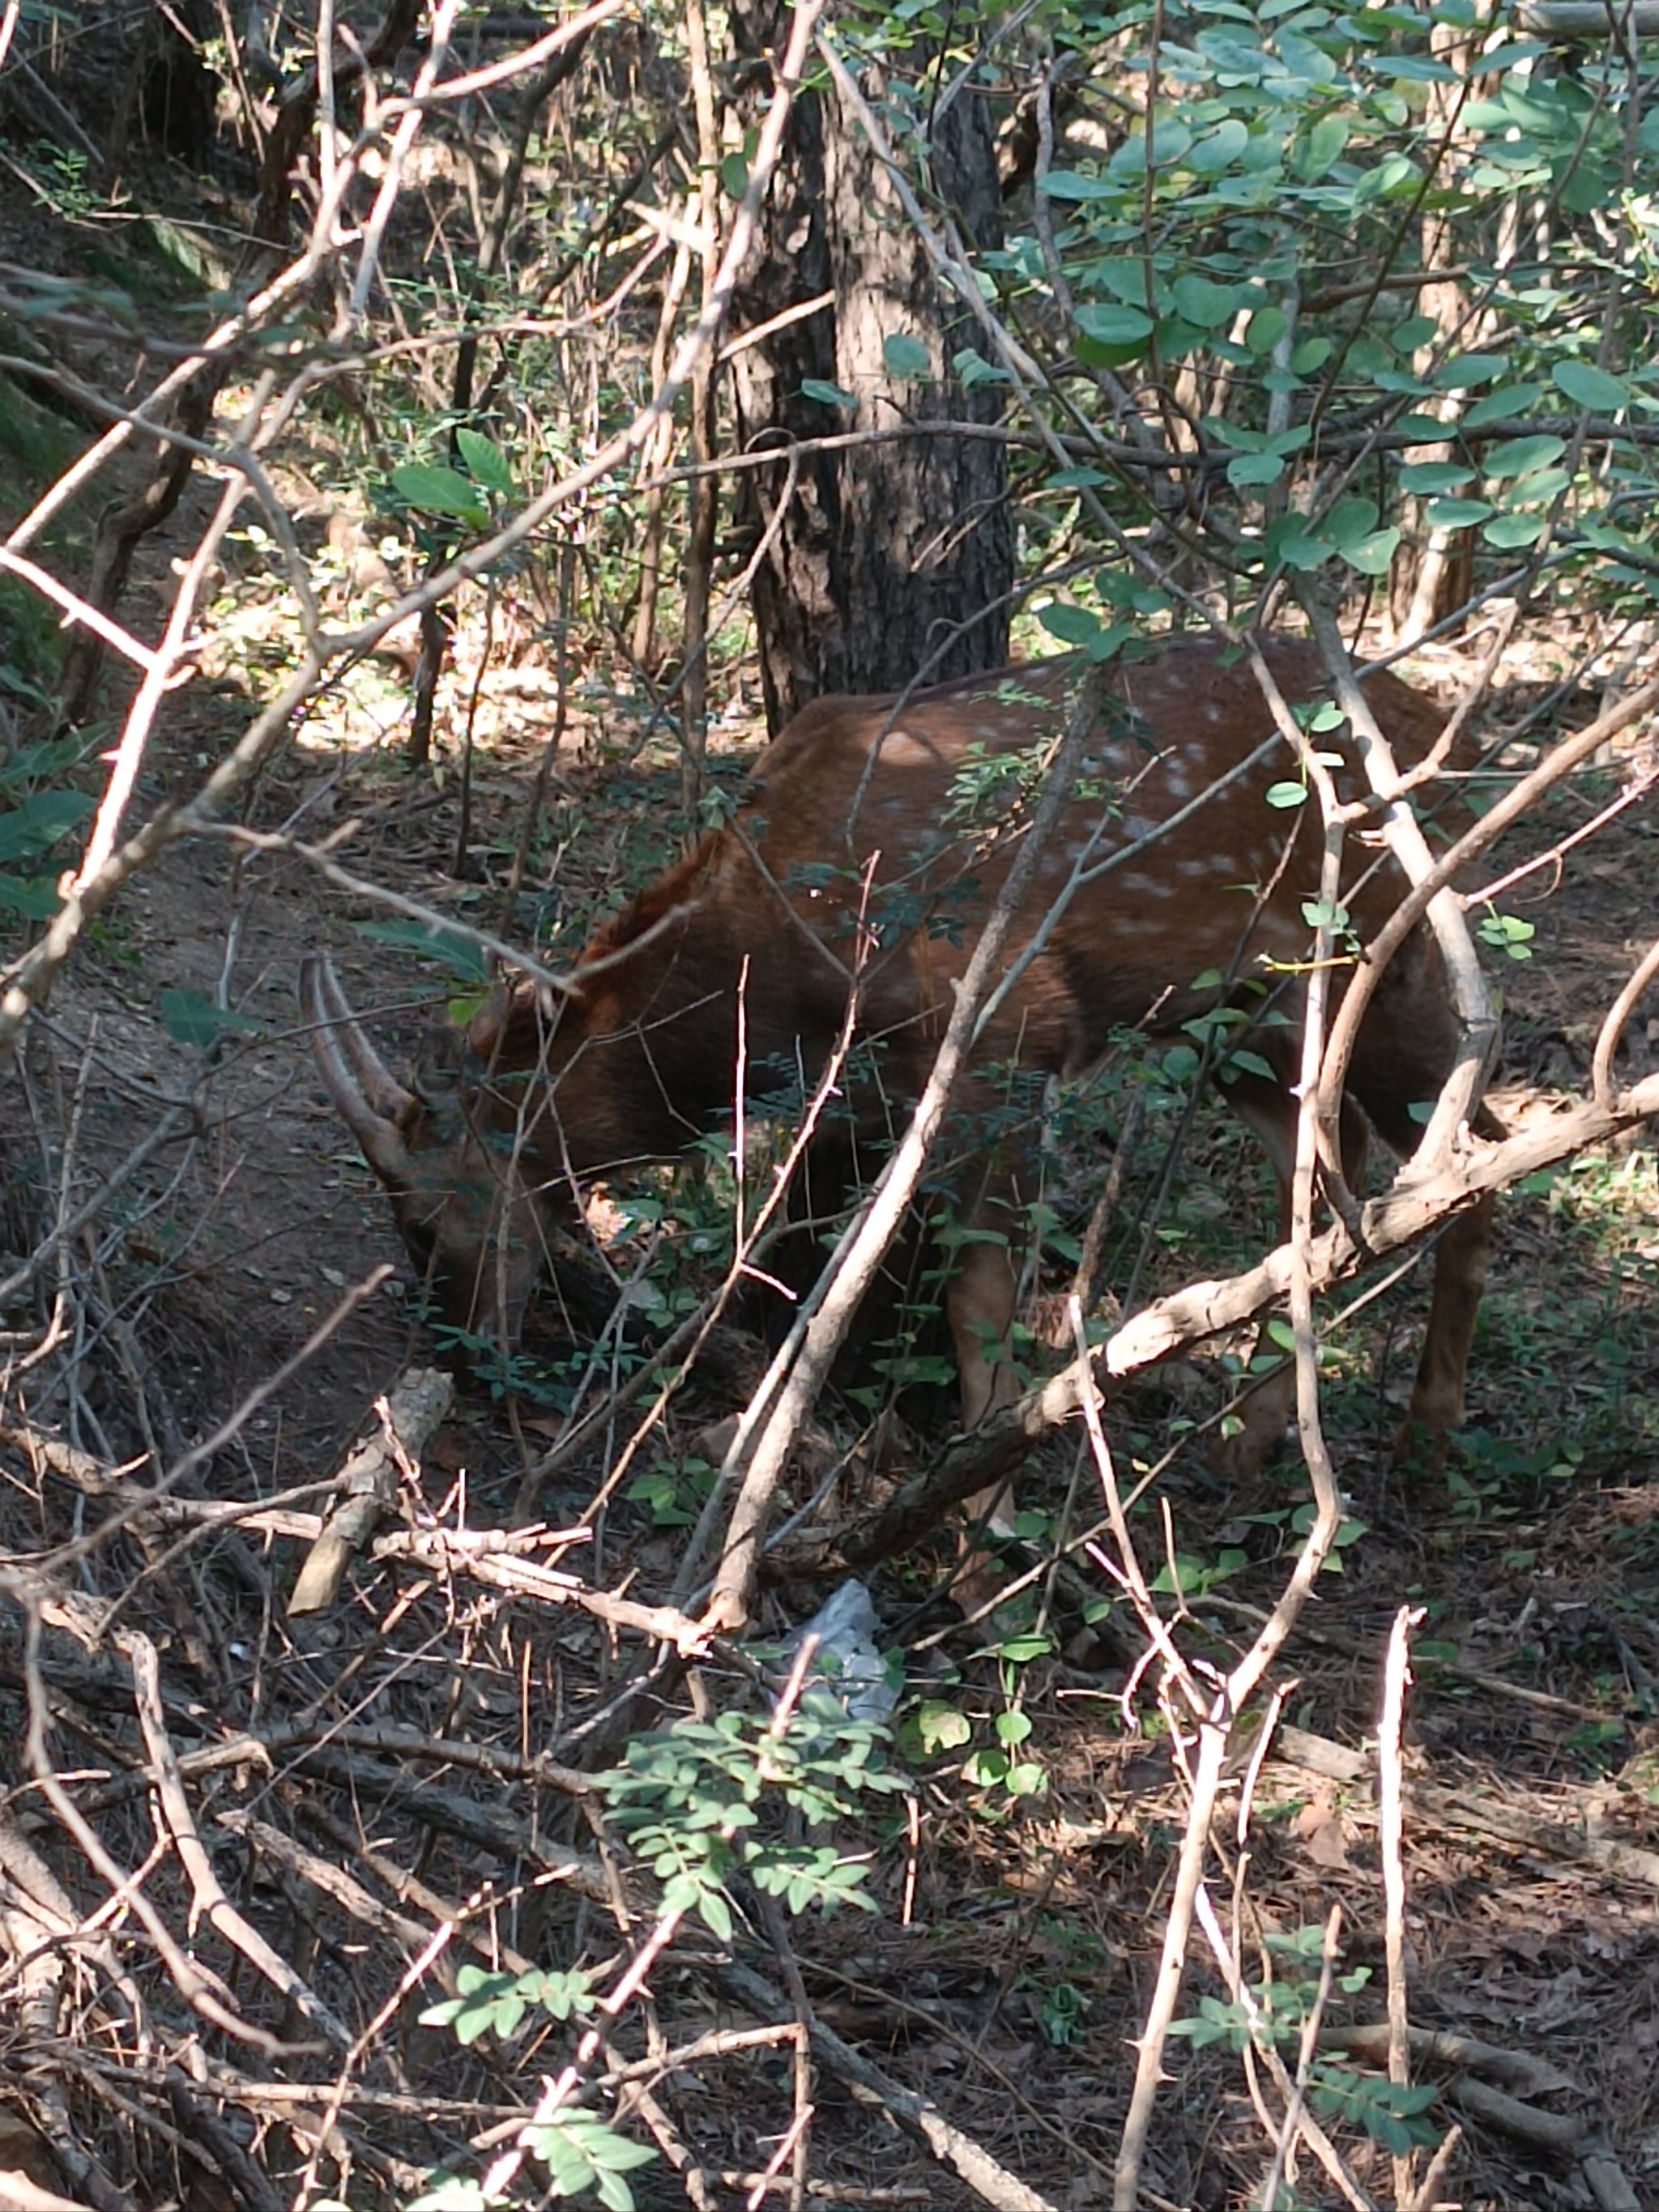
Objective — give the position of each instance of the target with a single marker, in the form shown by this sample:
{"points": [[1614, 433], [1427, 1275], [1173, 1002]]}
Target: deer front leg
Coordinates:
{"points": [[1461, 1261], [979, 1308]]}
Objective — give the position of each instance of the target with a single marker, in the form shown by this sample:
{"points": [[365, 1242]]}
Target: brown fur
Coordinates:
{"points": [[640, 1056]]}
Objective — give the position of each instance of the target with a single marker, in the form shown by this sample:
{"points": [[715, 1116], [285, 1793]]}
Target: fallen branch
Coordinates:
{"points": [[210, 1901], [408, 1419], [1462, 1808], [1414, 1204], [919, 2115]]}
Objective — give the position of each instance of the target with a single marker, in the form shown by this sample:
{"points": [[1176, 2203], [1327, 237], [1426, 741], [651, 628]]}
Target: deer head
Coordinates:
{"points": [[475, 1216]]}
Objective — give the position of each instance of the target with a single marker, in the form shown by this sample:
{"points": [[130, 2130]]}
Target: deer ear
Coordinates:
{"points": [[516, 1020]]}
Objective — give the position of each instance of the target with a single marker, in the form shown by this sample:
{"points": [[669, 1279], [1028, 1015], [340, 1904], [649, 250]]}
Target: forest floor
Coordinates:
{"points": [[1009, 1965]]}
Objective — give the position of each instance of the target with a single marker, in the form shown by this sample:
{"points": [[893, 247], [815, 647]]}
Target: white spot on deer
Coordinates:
{"points": [[903, 751]]}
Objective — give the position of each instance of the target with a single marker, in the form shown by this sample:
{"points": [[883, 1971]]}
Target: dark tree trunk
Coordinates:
{"points": [[889, 554]]}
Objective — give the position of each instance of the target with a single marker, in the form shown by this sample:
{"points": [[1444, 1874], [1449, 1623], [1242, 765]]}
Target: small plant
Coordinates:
{"points": [[579, 2151], [674, 1490], [697, 1801], [38, 807], [497, 2003], [1393, 2113], [999, 1767]]}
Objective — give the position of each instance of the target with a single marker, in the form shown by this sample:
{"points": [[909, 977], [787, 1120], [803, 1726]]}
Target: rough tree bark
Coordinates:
{"points": [[888, 553]]}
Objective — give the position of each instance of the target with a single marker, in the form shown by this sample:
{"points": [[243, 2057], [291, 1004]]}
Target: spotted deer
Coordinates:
{"points": [[872, 838]]}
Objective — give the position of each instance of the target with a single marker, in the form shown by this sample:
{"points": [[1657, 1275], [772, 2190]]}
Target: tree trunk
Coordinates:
{"points": [[896, 557]]}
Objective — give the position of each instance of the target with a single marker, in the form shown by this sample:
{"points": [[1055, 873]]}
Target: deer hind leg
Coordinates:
{"points": [[979, 1305], [1460, 1261], [1407, 1046], [1264, 1409], [980, 1309]]}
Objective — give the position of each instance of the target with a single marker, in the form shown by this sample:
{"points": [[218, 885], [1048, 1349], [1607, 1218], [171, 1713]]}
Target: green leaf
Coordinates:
{"points": [[734, 175], [716, 1914], [1287, 795], [435, 491], [1324, 144], [34, 897], [940, 1727], [191, 1018], [1413, 68], [1170, 141], [1465, 371], [486, 462], [449, 2192], [41, 819], [1587, 385], [1267, 326], [1071, 625], [1290, 541], [1073, 185], [1421, 476], [831, 395], [1541, 485], [1518, 457], [1456, 513], [1206, 304], [1371, 555], [1245, 469], [1509, 532], [1076, 479], [1351, 520], [1497, 406], [1218, 148], [973, 370], [460, 955], [907, 359], [1113, 324]]}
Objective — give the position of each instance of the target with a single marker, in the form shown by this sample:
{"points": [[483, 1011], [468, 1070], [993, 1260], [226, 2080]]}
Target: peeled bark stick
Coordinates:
{"points": [[369, 1482]]}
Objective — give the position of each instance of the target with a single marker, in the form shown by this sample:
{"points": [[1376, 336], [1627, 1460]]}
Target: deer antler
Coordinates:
{"points": [[367, 1097]]}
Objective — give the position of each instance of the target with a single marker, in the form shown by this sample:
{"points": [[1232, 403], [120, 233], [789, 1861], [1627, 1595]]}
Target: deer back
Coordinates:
{"points": [[869, 845], [873, 840]]}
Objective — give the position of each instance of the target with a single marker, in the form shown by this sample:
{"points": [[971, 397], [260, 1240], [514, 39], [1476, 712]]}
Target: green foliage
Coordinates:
{"points": [[191, 1017], [675, 1490], [39, 808], [579, 2151], [497, 2003], [699, 1802], [458, 956], [1288, 143], [1507, 934], [1391, 2113]]}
